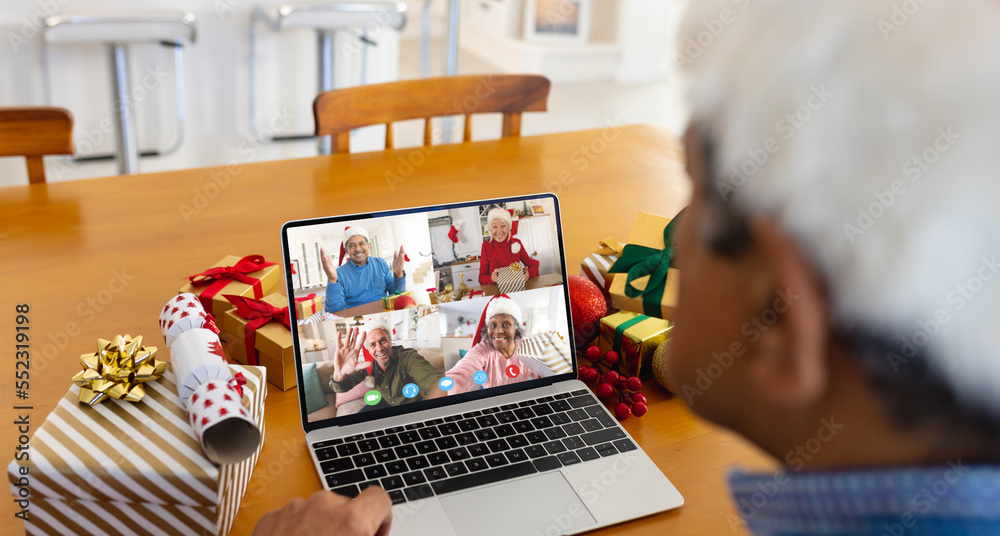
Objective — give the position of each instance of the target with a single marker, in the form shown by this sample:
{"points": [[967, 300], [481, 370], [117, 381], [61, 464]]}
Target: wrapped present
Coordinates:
{"points": [[643, 280], [131, 468], [546, 354], [307, 306], [259, 333], [511, 279], [595, 266], [389, 302], [635, 338], [250, 276]]}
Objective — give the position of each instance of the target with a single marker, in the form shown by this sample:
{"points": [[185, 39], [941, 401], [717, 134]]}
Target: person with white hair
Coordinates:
{"points": [[503, 250], [840, 260], [494, 349], [364, 278], [368, 356]]}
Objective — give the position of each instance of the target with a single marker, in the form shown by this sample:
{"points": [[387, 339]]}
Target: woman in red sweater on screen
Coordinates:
{"points": [[503, 250]]}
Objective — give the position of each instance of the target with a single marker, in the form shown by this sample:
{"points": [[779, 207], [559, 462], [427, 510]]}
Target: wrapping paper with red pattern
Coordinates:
{"points": [[181, 313], [208, 392]]}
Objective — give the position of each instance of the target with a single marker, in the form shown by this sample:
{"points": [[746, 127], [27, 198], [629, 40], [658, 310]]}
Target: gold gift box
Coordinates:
{"points": [[132, 468], [389, 302], [273, 344], [647, 231], [307, 308], [638, 342], [270, 278]]}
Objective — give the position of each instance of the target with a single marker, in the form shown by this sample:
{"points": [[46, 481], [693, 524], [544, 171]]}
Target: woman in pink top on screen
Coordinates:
{"points": [[494, 350], [503, 249]]}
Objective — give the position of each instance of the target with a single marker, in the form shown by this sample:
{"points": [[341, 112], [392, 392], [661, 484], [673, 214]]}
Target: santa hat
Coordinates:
{"points": [[350, 232], [501, 304], [507, 216], [376, 323]]}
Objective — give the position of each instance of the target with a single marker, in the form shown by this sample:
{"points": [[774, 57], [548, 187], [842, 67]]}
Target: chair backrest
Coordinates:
{"points": [[339, 111], [33, 132]]}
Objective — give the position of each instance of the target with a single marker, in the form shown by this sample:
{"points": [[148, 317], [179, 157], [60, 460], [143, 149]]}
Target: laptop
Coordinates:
{"points": [[487, 435]]}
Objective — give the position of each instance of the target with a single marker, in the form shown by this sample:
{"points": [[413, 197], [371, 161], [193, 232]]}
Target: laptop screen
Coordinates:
{"points": [[409, 309]]}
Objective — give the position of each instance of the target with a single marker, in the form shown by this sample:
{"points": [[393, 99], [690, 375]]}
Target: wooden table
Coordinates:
{"points": [[94, 258]]}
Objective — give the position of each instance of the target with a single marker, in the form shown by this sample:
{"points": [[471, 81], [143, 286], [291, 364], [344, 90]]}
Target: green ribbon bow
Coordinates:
{"points": [[647, 271]]}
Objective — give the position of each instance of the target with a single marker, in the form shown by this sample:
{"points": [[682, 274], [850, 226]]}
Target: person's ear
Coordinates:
{"points": [[789, 365]]}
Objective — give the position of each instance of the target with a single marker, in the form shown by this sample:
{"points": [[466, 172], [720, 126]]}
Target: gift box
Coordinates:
{"points": [[389, 302], [643, 281], [635, 338], [250, 276], [271, 345], [595, 266], [131, 468], [307, 306]]}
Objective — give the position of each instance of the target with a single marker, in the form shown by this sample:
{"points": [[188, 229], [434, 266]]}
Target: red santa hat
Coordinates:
{"points": [[350, 232], [501, 304], [506, 216]]}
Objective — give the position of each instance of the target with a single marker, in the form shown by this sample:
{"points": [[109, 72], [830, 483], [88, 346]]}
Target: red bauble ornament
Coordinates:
{"points": [[403, 301], [639, 409], [622, 411], [587, 308]]}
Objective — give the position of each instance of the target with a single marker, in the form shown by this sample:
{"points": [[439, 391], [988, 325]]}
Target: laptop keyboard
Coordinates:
{"points": [[440, 456]]}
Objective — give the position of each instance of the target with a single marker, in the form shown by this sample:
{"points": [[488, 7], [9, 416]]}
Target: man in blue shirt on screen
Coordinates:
{"points": [[364, 278]]}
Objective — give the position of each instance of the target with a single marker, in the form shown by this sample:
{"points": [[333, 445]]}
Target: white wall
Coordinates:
{"points": [[216, 84]]}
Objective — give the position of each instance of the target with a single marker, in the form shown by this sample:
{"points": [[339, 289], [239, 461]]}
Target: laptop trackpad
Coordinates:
{"points": [[544, 503]]}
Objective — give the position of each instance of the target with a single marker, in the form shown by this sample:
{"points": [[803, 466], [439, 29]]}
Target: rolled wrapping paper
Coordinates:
{"points": [[511, 278], [181, 313], [205, 384]]}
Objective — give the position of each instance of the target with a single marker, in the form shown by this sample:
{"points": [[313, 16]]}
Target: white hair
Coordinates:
{"points": [[870, 131]]}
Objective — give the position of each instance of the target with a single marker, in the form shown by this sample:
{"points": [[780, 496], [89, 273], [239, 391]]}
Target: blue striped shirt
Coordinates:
{"points": [[947, 499]]}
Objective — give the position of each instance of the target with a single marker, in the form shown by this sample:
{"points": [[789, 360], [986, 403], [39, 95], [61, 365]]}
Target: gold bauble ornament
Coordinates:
{"points": [[661, 357]]}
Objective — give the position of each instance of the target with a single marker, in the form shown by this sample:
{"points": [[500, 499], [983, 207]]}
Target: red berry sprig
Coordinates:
{"points": [[630, 401]]}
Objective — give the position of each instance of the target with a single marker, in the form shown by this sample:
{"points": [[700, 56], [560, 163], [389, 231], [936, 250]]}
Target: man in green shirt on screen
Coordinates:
{"points": [[391, 369]]}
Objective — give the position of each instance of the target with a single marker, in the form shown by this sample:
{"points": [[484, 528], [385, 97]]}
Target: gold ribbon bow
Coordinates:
{"points": [[117, 370]]}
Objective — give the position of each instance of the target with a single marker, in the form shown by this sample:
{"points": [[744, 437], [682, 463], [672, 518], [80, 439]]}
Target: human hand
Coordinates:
{"points": [[495, 274], [370, 513], [328, 267], [525, 272], [345, 354], [397, 262]]}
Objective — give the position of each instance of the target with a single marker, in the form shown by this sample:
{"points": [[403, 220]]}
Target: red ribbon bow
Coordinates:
{"points": [[238, 382], [258, 313], [218, 277]]}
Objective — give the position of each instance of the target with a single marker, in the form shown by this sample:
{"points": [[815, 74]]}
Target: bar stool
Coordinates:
{"points": [[117, 32], [325, 19]]}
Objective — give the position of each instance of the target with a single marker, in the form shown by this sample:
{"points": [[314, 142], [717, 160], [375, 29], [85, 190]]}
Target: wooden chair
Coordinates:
{"points": [[339, 111], [33, 132]]}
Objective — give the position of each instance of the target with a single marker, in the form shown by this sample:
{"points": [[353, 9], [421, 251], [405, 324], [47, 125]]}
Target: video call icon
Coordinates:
{"points": [[446, 383], [512, 371], [480, 377], [373, 397], [411, 390]]}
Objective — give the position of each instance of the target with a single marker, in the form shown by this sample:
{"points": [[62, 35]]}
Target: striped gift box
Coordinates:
{"points": [[511, 279], [124, 468], [595, 266], [546, 354]]}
